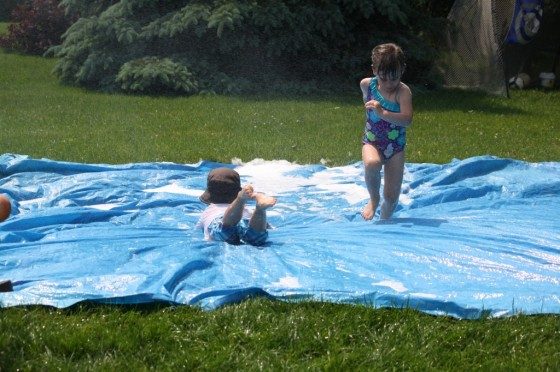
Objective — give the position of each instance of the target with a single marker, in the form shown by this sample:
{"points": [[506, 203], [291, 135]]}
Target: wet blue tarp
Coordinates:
{"points": [[471, 237]]}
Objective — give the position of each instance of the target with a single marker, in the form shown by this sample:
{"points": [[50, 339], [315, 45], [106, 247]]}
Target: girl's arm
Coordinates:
{"points": [[364, 86]]}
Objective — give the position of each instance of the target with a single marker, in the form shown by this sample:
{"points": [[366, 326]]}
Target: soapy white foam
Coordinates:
{"points": [[283, 179], [394, 285], [174, 188], [287, 282], [351, 192], [275, 177]]}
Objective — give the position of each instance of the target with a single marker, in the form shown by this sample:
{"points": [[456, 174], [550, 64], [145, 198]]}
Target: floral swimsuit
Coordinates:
{"points": [[386, 137]]}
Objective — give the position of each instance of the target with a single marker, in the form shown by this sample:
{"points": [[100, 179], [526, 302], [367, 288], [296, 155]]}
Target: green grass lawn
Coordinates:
{"points": [[41, 118], [4, 28], [265, 335]]}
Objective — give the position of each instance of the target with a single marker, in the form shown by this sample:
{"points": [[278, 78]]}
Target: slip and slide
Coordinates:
{"points": [[473, 237]]}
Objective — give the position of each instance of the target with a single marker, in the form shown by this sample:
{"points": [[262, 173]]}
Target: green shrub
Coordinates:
{"points": [[152, 74]]}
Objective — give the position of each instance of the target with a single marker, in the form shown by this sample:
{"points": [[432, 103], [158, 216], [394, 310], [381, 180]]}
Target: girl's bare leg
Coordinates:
{"points": [[258, 219], [393, 176], [372, 169]]}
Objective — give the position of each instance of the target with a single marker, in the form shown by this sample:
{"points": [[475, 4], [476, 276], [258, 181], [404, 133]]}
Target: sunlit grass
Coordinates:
{"points": [[42, 118], [4, 28], [261, 334]]}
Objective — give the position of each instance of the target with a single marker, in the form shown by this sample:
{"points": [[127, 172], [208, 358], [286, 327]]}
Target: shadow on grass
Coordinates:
{"points": [[144, 308]]}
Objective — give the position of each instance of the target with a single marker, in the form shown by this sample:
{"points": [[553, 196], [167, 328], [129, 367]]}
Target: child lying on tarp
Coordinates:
{"points": [[226, 218]]}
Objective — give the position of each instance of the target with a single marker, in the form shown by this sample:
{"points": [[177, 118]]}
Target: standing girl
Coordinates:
{"points": [[388, 104]]}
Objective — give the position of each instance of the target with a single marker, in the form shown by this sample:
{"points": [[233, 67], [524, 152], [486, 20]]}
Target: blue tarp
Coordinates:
{"points": [[471, 237]]}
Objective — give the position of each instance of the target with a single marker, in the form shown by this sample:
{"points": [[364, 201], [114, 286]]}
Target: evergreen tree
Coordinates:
{"points": [[225, 46]]}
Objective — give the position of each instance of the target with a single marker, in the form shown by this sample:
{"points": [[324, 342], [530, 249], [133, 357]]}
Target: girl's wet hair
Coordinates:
{"points": [[388, 61]]}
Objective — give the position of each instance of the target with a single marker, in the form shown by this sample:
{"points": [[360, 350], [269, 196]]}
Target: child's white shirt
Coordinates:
{"points": [[212, 212]]}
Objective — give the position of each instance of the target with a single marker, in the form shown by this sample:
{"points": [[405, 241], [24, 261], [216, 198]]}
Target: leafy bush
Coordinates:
{"points": [[155, 75], [37, 26], [242, 45]]}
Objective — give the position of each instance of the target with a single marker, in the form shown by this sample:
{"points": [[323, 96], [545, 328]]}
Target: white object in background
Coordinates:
{"points": [[547, 79], [522, 80]]}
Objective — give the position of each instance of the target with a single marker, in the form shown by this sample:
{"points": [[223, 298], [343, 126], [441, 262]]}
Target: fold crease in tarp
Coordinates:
{"points": [[479, 236]]}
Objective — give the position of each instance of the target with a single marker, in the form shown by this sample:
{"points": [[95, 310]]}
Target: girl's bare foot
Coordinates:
{"points": [[264, 201], [368, 212]]}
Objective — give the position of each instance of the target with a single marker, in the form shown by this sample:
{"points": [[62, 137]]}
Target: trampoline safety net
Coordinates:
{"points": [[477, 54]]}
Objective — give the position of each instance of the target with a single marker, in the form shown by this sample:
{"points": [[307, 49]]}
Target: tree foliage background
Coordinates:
{"points": [[6, 8], [230, 46]]}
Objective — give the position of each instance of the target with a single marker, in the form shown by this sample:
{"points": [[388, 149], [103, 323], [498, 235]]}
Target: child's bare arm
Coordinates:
{"points": [[364, 86]]}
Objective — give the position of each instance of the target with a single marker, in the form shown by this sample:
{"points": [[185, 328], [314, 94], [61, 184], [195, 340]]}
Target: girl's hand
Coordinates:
{"points": [[374, 105]]}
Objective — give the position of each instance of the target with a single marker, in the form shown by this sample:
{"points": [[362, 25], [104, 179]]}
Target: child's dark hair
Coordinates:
{"points": [[388, 61]]}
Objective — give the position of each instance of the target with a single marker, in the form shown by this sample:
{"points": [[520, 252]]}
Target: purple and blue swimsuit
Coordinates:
{"points": [[386, 137]]}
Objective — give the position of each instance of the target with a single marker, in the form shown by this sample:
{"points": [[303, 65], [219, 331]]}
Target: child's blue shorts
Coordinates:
{"points": [[237, 234]]}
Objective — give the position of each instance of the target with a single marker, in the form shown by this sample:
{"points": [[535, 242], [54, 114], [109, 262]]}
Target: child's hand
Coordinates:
{"points": [[246, 192], [374, 105]]}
